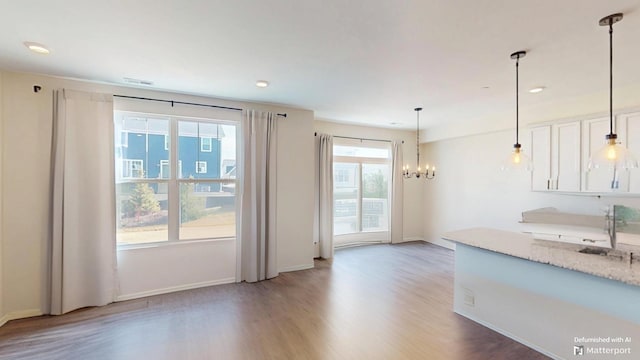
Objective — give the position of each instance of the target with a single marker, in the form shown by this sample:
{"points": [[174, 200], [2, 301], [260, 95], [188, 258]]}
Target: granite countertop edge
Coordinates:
{"points": [[619, 264]]}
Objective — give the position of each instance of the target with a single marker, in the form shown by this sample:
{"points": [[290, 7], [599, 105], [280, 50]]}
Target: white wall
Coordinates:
{"points": [[26, 145], [413, 188], [25, 170], [472, 191], [2, 313], [161, 269], [295, 202]]}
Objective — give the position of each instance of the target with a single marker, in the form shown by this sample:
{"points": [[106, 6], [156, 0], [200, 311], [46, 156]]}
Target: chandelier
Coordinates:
{"points": [[406, 172]]}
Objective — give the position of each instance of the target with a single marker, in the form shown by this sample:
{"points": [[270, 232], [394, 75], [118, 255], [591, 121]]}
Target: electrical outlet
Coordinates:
{"points": [[469, 298]]}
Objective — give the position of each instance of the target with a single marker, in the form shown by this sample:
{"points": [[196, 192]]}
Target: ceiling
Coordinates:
{"points": [[358, 61]]}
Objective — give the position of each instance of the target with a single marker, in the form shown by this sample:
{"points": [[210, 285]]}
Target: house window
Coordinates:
{"points": [[206, 144], [164, 169], [361, 177], [132, 168], [160, 202], [201, 167]]}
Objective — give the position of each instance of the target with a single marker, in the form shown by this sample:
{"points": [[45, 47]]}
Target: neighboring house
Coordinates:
{"points": [[144, 150]]}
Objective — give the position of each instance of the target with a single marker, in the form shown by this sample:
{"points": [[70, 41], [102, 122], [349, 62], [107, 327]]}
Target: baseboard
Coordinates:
{"points": [[442, 243], [174, 289], [297, 267], [509, 335], [411, 238], [19, 315]]}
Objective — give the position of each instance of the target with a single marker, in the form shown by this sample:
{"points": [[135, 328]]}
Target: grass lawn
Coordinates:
{"points": [[214, 225]]}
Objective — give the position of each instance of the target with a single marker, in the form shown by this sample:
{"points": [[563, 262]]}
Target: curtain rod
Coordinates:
{"points": [[356, 138], [172, 102]]}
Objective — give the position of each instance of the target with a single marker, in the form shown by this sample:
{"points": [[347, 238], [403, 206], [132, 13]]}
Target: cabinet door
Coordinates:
{"points": [[593, 137], [629, 132], [541, 158], [566, 157]]}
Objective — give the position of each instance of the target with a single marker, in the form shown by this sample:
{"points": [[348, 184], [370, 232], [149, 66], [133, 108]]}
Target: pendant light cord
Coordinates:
{"points": [[611, 77], [418, 140], [517, 101]]}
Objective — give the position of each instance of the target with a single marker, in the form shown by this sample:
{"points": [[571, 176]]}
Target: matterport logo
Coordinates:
{"points": [[611, 346]]}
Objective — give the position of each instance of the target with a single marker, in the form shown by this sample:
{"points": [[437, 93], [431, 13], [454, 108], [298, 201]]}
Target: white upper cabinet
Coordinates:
{"points": [[541, 158], [566, 156], [560, 153], [555, 152], [629, 131]]}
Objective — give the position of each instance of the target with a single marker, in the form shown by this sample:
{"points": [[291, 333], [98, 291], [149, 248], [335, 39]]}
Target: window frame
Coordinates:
{"points": [[359, 179], [124, 139], [174, 181]]}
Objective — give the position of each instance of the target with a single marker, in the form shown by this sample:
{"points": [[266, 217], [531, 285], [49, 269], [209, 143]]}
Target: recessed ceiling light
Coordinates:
{"points": [[485, 87], [536, 89], [37, 48], [262, 83]]}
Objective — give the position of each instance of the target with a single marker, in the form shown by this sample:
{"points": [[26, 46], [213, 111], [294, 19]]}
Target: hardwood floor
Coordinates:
{"points": [[374, 302]]}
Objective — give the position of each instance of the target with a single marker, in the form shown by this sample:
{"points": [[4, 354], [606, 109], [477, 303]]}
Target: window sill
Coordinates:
{"points": [[126, 247]]}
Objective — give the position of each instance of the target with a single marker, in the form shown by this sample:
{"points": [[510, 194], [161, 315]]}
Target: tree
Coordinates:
{"points": [[142, 200], [375, 186], [191, 207]]}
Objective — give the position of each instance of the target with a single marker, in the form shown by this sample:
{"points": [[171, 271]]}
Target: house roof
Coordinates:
{"points": [[158, 125]]}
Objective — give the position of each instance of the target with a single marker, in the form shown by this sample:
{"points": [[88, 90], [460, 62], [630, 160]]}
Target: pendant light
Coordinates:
{"points": [[612, 155], [517, 160], [406, 173]]}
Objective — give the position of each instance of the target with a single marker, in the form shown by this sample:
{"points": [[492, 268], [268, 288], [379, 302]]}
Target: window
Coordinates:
{"points": [[206, 144], [201, 167], [361, 174], [160, 202], [164, 169], [131, 168], [124, 139]]}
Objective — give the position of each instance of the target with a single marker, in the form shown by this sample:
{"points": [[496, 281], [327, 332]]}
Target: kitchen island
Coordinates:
{"points": [[550, 295]]}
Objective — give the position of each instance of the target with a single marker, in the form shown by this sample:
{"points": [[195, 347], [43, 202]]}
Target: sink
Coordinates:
{"points": [[594, 251]]}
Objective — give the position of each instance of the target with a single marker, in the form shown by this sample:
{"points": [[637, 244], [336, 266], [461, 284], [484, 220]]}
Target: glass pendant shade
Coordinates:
{"points": [[517, 161], [613, 156]]}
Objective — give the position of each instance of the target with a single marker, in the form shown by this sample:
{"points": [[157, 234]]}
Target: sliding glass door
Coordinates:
{"points": [[361, 178]]}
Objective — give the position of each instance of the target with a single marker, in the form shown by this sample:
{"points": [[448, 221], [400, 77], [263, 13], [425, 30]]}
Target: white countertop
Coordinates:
{"points": [[622, 264]]}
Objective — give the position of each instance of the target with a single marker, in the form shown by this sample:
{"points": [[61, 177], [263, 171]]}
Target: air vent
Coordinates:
{"points": [[137, 81]]}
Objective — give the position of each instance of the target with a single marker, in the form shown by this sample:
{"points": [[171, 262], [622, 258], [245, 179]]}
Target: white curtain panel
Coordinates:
{"points": [[324, 144], [396, 192], [83, 247], [258, 197]]}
